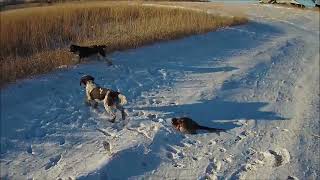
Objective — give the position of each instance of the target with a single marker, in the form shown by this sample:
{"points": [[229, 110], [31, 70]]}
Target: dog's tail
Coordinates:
{"points": [[123, 99], [101, 50], [214, 130]]}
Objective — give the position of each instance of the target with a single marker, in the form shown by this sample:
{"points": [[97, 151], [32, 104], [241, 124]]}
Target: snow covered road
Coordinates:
{"points": [[259, 80]]}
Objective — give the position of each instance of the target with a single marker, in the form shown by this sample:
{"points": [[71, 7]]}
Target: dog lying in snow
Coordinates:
{"points": [[86, 51], [187, 125], [112, 100]]}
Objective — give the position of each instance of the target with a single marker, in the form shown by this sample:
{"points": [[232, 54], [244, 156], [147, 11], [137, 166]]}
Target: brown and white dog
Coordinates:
{"points": [[187, 125], [112, 100]]}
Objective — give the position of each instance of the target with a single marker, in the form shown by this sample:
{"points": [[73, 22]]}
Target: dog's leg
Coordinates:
{"points": [[79, 59], [123, 113], [103, 54], [92, 103], [109, 62], [89, 101], [86, 101], [88, 98], [109, 109]]}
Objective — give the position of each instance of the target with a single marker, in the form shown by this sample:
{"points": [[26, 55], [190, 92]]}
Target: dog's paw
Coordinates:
{"points": [[87, 103], [113, 119], [109, 62], [124, 115], [95, 105]]}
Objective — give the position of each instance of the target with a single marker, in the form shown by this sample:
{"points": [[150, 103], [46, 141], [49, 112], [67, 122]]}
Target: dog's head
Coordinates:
{"points": [[84, 79], [174, 121], [74, 48]]}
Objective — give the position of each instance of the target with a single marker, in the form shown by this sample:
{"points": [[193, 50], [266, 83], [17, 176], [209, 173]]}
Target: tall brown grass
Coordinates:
{"points": [[35, 40]]}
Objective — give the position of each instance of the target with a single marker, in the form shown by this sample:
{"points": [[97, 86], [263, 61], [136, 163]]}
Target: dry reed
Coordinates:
{"points": [[35, 40]]}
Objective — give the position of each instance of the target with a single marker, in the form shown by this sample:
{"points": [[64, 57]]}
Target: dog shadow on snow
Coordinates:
{"points": [[137, 160], [208, 112]]}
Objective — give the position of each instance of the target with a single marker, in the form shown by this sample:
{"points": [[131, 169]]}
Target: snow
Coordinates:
{"points": [[260, 81]]}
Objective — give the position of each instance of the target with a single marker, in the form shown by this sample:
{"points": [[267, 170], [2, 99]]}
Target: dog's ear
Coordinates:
{"points": [[90, 78], [174, 121], [82, 82], [72, 48], [86, 78]]}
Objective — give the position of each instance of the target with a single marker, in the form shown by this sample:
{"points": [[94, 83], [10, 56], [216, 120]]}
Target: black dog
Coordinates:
{"points": [[86, 51]]}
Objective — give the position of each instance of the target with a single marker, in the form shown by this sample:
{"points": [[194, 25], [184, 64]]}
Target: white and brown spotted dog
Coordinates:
{"points": [[112, 100]]}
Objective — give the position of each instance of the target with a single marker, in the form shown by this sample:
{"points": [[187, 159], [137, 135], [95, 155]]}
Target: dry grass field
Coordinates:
{"points": [[35, 40], [16, 4]]}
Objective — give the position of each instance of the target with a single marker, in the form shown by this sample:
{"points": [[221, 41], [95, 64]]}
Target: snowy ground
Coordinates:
{"points": [[260, 81]]}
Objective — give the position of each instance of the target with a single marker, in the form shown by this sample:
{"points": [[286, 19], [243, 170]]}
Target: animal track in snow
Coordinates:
{"points": [[156, 101], [272, 158], [281, 157], [61, 140], [244, 134], [52, 162], [213, 167], [146, 130], [171, 149], [138, 113], [239, 138], [247, 133], [152, 116], [209, 177], [212, 142], [190, 142], [30, 150], [173, 153], [106, 146], [178, 165], [222, 149], [292, 178], [194, 158], [228, 158]]}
